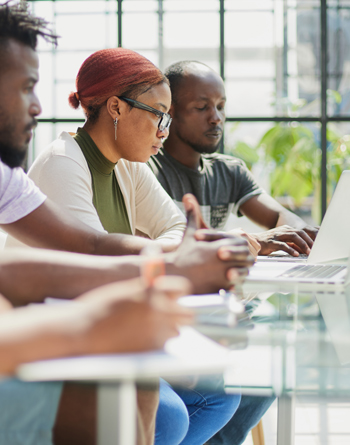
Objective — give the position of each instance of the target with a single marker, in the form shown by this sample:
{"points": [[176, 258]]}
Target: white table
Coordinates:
{"points": [[116, 375]]}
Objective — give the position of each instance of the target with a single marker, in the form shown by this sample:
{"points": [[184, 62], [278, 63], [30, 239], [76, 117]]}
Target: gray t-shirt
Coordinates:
{"points": [[221, 185]]}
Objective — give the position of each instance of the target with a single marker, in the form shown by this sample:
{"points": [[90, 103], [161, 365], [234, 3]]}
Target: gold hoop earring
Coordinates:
{"points": [[115, 128]]}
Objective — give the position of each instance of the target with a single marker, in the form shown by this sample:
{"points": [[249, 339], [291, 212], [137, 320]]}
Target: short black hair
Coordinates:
{"points": [[176, 72], [17, 23]]}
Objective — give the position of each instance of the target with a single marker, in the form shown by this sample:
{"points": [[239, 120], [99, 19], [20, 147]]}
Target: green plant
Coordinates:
{"points": [[291, 154], [295, 156]]}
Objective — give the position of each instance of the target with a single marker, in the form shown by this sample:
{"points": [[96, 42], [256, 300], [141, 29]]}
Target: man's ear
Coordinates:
{"points": [[115, 107]]}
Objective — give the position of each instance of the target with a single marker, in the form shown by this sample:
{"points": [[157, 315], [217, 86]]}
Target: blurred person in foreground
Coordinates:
{"points": [[115, 318]]}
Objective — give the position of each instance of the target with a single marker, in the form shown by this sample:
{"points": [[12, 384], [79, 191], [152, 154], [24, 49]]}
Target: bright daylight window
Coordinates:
{"points": [[288, 106]]}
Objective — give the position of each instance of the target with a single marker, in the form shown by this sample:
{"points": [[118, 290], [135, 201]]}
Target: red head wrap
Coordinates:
{"points": [[113, 72]]}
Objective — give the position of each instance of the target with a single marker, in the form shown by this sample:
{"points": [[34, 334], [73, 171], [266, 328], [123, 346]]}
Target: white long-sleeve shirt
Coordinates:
{"points": [[62, 173]]}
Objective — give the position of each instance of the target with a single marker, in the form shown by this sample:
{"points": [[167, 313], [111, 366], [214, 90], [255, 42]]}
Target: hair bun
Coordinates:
{"points": [[73, 100]]}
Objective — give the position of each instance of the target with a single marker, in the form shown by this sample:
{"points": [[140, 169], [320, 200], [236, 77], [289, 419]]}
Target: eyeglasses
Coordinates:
{"points": [[165, 119]]}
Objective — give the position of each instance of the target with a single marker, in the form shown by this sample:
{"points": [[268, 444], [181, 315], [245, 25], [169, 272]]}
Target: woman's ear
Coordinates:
{"points": [[115, 107]]}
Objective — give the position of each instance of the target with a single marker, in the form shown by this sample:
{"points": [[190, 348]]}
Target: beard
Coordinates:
{"points": [[11, 153], [11, 156], [210, 148], [202, 149]]}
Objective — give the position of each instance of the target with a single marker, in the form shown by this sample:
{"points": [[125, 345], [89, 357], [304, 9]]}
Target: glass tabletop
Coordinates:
{"points": [[283, 342]]}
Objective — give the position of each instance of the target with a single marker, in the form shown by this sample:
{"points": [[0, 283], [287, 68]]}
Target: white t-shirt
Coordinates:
{"points": [[19, 196]]}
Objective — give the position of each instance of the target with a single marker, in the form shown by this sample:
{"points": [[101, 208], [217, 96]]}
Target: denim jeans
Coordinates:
{"points": [[192, 416], [28, 412], [247, 416], [250, 410]]}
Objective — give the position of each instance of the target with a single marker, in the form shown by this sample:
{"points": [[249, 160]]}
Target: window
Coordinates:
{"points": [[271, 54]]}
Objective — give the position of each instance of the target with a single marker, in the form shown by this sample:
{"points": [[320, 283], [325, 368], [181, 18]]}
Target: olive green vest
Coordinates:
{"points": [[107, 196]]}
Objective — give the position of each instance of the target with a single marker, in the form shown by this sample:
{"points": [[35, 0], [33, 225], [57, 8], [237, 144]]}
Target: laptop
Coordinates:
{"points": [[291, 277], [333, 239], [327, 262]]}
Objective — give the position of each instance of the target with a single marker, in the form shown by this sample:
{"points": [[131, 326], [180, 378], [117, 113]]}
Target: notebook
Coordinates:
{"points": [[333, 240], [223, 309]]}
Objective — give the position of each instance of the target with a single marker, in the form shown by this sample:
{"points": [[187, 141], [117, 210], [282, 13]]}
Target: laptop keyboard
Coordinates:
{"points": [[313, 271], [283, 255]]}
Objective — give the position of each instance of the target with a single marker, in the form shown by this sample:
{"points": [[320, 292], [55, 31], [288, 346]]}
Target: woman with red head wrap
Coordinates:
{"points": [[99, 175], [113, 72]]}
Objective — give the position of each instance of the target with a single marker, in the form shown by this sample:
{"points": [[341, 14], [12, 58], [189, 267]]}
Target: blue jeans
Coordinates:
{"points": [[192, 416], [247, 416], [28, 412]]}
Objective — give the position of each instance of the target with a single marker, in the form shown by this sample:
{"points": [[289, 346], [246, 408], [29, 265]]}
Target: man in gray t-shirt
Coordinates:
{"points": [[222, 184]]}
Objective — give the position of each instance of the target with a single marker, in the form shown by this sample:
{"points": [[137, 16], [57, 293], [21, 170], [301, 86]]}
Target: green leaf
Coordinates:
{"points": [[335, 95], [245, 152]]}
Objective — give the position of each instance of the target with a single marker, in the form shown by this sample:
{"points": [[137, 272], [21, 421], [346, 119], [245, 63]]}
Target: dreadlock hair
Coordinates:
{"points": [[18, 24], [176, 72]]}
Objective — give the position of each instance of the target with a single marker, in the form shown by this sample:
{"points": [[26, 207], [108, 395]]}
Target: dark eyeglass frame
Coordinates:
{"points": [[165, 119]]}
